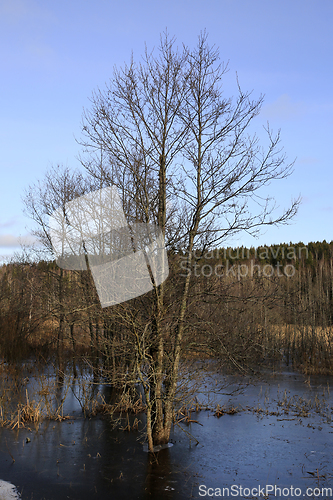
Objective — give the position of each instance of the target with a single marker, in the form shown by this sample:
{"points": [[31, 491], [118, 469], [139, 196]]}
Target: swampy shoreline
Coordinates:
{"points": [[275, 428]]}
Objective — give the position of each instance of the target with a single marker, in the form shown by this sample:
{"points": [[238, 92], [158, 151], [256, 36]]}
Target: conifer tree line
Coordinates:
{"points": [[242, 321]]}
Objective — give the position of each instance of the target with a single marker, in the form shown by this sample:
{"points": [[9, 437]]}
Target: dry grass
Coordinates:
{"points": [[126, 404], [29, 402], [309, 349], [20, 407], [184, 414]]}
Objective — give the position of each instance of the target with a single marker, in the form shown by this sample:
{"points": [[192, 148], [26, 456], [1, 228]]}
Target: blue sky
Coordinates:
{"points": [[54, 54]]}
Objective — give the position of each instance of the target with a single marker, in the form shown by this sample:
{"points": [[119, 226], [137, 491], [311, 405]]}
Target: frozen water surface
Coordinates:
{"points": [[278, 431]]}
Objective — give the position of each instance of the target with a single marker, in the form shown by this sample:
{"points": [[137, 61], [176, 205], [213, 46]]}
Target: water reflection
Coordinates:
{"points": [[158, 482], [269, 442]]}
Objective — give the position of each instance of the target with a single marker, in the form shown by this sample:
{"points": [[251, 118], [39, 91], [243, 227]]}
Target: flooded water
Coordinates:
{"points": [[277, 434]]}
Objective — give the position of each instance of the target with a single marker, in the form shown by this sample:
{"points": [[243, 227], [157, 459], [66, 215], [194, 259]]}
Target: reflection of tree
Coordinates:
{"points": [[159, 476]]}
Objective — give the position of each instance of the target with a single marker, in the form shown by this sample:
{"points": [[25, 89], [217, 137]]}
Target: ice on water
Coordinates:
{"points": [[8, 491]]}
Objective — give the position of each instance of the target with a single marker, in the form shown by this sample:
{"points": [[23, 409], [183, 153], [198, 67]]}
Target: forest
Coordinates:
{"points": [[248, 307]]}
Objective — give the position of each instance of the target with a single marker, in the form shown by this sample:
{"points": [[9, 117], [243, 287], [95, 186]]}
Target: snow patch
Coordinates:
{"points": [[156, 448], [8, 491]]}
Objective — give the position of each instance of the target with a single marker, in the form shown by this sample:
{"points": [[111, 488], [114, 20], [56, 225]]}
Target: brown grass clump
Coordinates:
{"points": [[126, 404]]}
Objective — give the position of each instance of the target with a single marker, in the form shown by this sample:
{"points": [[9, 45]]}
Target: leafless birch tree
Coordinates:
{"points": [[180, 154]]}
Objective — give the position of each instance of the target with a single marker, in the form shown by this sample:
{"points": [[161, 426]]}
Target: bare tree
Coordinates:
{"points": [[59, 186], [180, 155]]}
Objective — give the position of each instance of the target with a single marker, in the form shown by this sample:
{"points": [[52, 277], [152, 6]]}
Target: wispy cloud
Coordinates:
{"points": [[14, 11], [27, 23], [8, 223], [306, 200], [308, 160], [283, 109], [11, 241]]}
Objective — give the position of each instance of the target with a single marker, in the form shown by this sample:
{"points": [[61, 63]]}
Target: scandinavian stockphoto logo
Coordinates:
{"points": [[91, 232]]}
